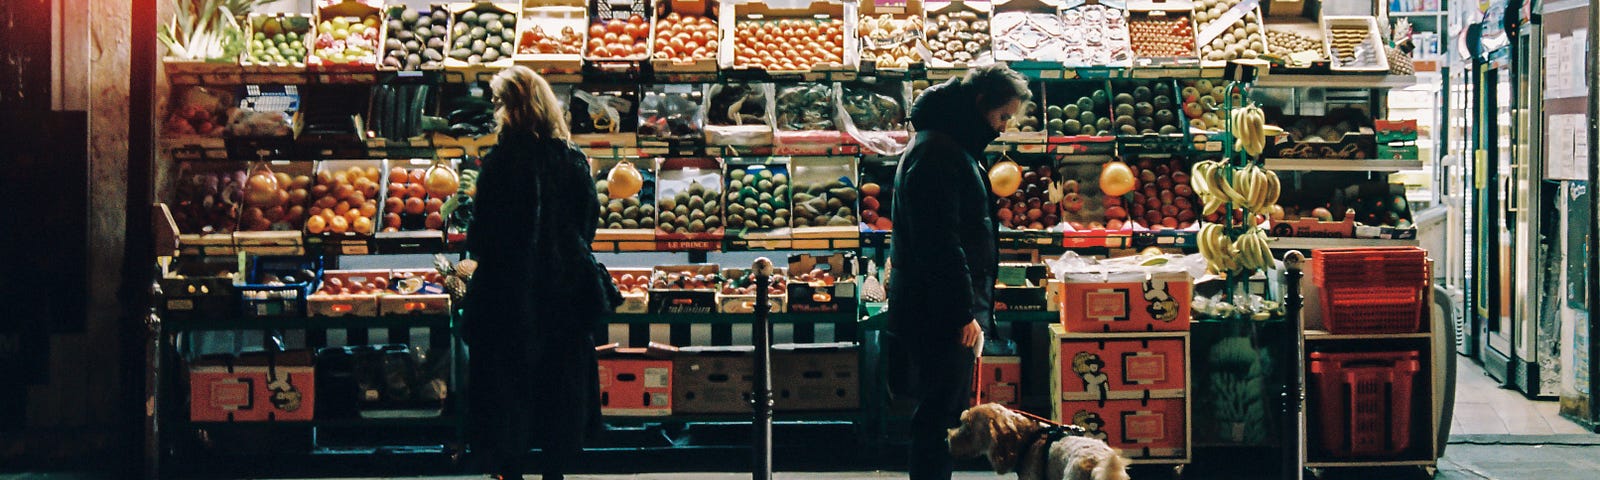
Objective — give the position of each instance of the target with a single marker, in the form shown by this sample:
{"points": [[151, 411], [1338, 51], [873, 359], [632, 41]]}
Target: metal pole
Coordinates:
{"points": [[762, 469], [1594, 240], [1293, 431]]}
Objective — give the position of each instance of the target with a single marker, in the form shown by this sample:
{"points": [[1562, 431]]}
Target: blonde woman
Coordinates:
{"points": [[538, 292]]}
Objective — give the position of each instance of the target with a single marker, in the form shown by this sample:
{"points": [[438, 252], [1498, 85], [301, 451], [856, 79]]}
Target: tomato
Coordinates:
{"points": [[698, 36], [636, 20], [625, 39], [615, 26], [600, 51], [597, 30]]}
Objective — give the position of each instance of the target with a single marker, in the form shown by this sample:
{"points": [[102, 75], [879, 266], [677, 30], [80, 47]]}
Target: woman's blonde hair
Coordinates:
{"points": [[525, 102]]}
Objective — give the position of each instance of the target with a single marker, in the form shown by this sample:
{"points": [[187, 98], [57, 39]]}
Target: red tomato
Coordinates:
{"points": [[615, 26], [597, 30], [636, 20]]}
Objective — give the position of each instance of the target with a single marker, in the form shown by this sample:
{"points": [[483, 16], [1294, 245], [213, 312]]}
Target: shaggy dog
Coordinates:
{"points": [[1015, 443]]}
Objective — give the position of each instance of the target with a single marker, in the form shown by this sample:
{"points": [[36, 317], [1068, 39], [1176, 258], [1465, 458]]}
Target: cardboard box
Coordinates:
{"points": [[998, 379], [1142, 429], [1021, 288], [1134, 301], [1312, 228], [255, 387], [635, 382], [745, 303], [759, 12], [819, 296], [458, 10], [816, 377], [713, 380], [685, 300], [186, 297], [1117, 367], [430, 300], [633, 302], [552, 17], [355, 11], [675, 175], [700, 8]]}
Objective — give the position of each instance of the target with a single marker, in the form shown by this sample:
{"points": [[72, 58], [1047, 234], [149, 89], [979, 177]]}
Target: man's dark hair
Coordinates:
{"points": [[996, 85]]}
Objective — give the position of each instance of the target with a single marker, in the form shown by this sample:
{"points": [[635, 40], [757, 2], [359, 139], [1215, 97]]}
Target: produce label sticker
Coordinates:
{"points": [[1106, 305], [890, 6], [232, 394], [1144, 368], [657, 377], [1143, 427]]}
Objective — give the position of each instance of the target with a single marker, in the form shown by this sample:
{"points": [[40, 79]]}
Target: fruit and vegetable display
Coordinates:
{"points": [[535, 40], [273, 201], [1034, 203], [622, 205], [482, 34], [1162, 197], [200, 111], [1342, 132], [352, 283], [416, 282], [415, 197], [1238, 33], [737, 104], [1027, 119], [199, 34], [278, 39], [1249, 190], [343, 200], [619, 39], [822, 199], [892, 43], [686, 38], [805, 106], [1162, 33], [1144, 108], [672, 113], [693, 277], [417, 37], [876, 108], [1353, 45], [688, 203], [207, 202], [958, 35], [1029, 35], [602, 110], [346, 40], [877, 195], [630, 284], [790, 44], [1096, 35], [746, 284], [758, 197], [1077, 108], [1202, 104]]}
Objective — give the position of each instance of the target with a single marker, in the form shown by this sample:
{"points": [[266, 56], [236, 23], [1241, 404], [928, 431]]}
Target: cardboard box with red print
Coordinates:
{"points": [[635, 382], [1147, 429], [256, 387], [1126, 301], [998, 379], [1118, 366]]}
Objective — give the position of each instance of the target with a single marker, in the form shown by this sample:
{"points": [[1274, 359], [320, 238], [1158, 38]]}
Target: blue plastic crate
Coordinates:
{"points": [[261, 298]]}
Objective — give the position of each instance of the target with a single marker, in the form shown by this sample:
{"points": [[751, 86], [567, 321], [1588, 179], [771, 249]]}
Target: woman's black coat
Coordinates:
{"points": [[532, 349], [944, 250]]}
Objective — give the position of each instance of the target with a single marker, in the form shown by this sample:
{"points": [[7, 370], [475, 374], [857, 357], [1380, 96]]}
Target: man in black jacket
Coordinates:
{"points": [[944, 251]]}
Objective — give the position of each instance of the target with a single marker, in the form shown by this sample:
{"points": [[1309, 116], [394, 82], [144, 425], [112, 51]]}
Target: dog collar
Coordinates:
{"points": [[1049, 434]]}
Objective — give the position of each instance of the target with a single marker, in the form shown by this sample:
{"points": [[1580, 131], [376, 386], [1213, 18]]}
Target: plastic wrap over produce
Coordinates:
{"points": [[738, 113], [875, 116], [1072, 267]]}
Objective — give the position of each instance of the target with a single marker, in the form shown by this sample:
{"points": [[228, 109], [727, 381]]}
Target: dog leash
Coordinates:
{"points": [[1055, 430]]}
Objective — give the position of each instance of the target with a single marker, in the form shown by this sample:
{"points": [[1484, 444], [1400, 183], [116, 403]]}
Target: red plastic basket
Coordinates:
{"points": [[1363, 401], [1371, 290]]}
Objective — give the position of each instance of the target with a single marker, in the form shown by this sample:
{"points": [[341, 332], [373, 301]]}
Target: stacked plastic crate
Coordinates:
{"points": [[1365, 402]]}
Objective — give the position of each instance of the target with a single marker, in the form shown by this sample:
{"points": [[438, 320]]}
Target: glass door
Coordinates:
{"points": [[1491, 294]]}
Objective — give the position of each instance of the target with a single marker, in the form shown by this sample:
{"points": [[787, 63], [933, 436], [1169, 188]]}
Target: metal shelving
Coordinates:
{"points": [[1341, 165]]}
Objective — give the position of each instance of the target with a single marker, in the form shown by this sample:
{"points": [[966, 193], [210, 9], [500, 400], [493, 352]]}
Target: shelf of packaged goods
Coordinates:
{"points": [[730, 318], [1338, 80], [308, 323], [1369, 464], [1341, 165], [1320, 335], [1309, 243]]}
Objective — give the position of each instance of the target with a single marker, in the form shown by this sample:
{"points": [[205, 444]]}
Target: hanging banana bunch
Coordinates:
{"points": [[1250, 188]]}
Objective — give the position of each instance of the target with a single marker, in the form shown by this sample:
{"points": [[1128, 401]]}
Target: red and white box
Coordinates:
{"points": [[1126, 301], [1119, 367], [1143, 429], [998, 379], [256, 387], [635, 382]]}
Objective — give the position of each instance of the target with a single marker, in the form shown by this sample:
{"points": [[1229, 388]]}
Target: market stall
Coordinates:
{"points": [[319, 171]]}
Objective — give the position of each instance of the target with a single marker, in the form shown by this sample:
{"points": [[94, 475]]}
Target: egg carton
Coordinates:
{"points": [[1353, 44]]}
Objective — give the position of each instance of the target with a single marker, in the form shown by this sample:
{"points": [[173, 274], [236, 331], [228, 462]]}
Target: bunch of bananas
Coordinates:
{"points": [[1248, 252], [1249, 126], [1253, 188]]}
